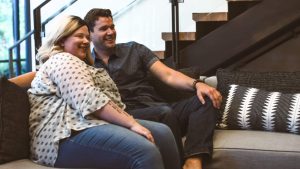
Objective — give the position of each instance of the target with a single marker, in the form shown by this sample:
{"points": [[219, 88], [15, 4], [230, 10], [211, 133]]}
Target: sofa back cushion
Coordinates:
{"points": [[14, 116], [247, 95], [285, 82]]}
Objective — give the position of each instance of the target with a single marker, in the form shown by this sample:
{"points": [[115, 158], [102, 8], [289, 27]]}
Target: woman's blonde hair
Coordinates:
{"points": [[53, 43]]}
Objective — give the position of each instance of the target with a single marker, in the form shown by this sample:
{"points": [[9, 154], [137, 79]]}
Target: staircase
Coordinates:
{"points": [[255, 35]]}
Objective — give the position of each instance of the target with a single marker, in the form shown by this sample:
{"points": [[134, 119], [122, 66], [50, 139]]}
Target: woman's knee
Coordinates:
{"points": [[145, 154]]}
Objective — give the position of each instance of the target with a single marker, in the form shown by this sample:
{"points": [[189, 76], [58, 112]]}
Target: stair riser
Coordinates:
{"points": [[235, 8], [181, 45], [203, 28]]}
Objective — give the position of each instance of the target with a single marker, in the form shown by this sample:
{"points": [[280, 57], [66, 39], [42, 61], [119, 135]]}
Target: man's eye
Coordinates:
{"points": [[103, 29]]}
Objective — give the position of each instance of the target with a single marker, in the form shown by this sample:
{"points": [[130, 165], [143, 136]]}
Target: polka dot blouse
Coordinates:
{"points": [[63, 95]]}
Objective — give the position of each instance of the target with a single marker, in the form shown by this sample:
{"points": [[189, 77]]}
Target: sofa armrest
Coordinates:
{"points": [[210, 80]]}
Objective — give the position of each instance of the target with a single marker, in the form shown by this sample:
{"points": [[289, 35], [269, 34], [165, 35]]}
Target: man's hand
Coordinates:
{"points": [[206, 90]]}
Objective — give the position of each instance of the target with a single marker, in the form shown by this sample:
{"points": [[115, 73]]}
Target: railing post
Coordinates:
{"points": [[175, 31], [16, 31], [28, 40], [11, 63], [37, 28]]}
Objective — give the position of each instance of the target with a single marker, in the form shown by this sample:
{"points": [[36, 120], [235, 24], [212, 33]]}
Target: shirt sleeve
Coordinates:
{"points": [[75, 83], [147, 56]]}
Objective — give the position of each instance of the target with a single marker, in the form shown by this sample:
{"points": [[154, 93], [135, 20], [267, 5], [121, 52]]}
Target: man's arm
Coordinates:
{"points": [[23, 80], [179, 80]]}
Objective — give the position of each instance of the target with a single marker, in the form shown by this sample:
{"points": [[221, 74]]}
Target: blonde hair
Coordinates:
{"points": [[53, 42]]}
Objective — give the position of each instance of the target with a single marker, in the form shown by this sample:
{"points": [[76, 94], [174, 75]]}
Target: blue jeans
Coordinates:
{"points": [[113, 147]]}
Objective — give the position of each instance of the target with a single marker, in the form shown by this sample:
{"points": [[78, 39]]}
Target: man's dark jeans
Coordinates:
{"points": [[188, 118]]}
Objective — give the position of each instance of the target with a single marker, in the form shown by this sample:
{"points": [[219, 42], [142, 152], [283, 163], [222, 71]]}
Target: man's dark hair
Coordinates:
{"points": [[94, 14]]}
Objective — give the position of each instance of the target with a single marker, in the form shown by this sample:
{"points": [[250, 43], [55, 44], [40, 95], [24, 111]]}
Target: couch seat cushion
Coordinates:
{"points": [[23, 164], [236, 149]]}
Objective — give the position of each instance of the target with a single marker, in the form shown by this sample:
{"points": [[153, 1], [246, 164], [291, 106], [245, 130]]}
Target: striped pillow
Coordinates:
{"points": [[256, 109]]}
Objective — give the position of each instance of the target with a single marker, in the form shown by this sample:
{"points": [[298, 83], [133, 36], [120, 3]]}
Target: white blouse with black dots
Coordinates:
{"points": [[63, 95]]}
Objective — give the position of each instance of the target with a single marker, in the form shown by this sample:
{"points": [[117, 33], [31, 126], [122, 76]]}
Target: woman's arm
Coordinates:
{"points": [[114, 114], [23, 80]]}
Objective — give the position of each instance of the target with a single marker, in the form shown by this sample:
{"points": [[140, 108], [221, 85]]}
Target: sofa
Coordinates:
{"points": [[255, 149], [234, 147]]}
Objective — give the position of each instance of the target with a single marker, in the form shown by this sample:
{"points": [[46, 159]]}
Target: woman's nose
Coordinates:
{"points": [[86, 40]]}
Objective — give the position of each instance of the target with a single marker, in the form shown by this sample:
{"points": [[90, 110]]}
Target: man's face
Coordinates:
{"points": [[104, 34]]}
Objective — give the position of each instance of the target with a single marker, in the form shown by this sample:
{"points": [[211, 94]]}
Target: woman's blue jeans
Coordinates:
{"points": [[113, 147]]}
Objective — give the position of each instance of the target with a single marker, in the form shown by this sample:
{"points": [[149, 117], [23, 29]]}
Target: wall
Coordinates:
{"points": [[144, 22]]}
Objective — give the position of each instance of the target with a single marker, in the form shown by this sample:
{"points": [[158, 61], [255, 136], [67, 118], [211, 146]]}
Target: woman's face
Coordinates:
{"points": [[78, 43]]}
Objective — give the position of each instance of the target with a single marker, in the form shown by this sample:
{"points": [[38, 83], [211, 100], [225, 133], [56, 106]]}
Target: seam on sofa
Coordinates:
{"points": [[244, 149]]}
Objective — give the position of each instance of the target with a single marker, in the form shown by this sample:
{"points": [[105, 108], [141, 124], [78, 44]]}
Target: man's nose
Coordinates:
{"points": [[110, 31]]}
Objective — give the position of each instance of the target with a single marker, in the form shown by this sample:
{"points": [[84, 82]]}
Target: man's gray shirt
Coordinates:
{"points": [[129, 69]]}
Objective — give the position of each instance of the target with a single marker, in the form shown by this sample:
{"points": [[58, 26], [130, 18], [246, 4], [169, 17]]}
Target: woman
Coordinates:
{"points": [[77, 118]]}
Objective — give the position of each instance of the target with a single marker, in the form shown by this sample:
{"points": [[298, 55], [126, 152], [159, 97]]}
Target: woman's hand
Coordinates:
{"points": [[114, 114], [136, 127]]}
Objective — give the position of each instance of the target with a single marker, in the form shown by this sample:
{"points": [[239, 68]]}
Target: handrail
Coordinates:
{"points": [[121, 11], [57, 13]]}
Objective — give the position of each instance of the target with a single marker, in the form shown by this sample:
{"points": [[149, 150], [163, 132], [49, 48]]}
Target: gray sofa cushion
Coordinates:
{"points": [[236, 149], [23, 164], [286, 82]]}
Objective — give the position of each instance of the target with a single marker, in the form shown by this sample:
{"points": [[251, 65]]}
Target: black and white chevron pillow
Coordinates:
{"points": [[256, 109]]}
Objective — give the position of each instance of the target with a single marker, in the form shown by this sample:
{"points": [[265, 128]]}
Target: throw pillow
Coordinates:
{"points": [[258, 109], [14, 115]]}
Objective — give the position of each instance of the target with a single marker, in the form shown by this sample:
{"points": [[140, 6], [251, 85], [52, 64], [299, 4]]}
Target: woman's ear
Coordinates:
{"points": [[62, 44]]}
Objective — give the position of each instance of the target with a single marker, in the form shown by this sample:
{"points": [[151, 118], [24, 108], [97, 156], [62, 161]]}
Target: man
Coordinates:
{"points": [[128, 65]]}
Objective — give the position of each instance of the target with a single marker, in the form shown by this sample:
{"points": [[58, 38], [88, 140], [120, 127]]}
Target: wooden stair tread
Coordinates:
{"points": [[215, 16], [183, 36], [159, 54]]}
